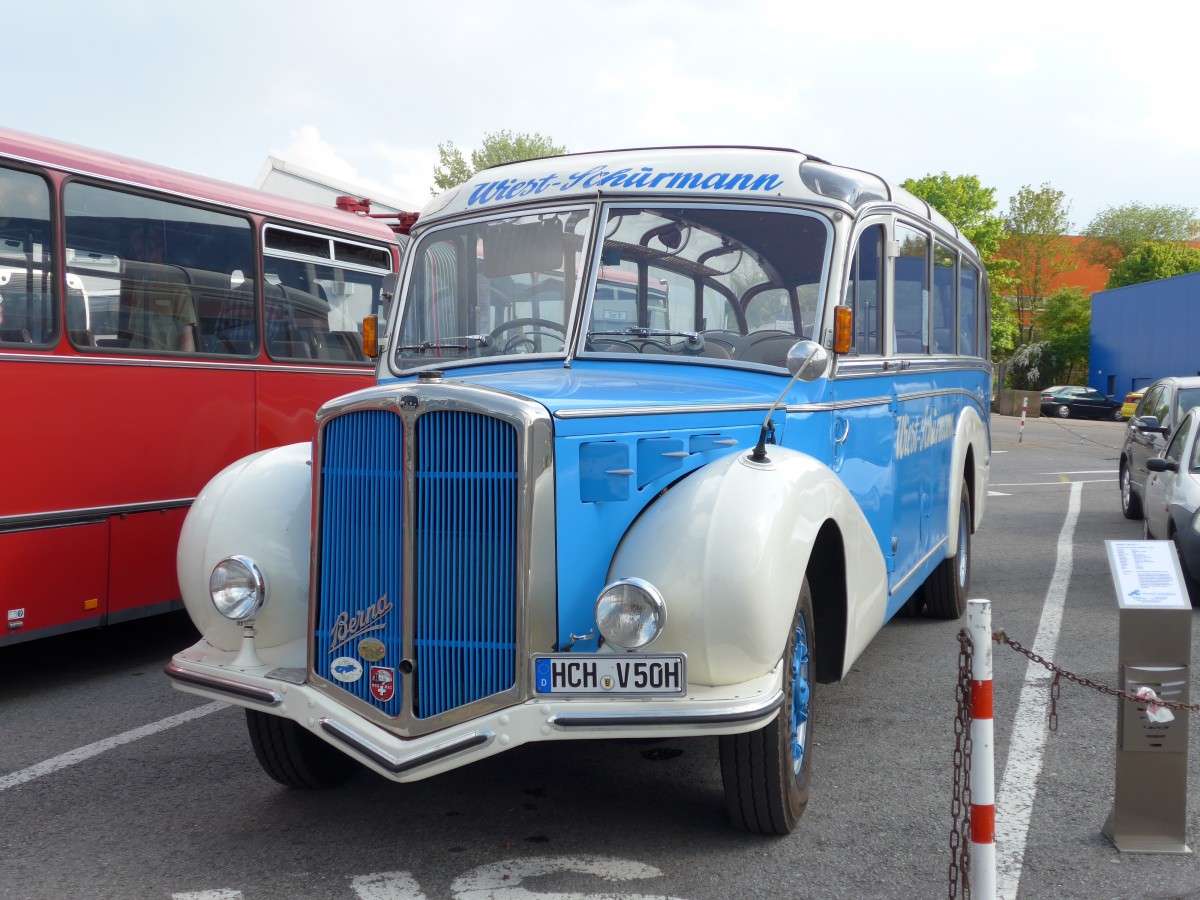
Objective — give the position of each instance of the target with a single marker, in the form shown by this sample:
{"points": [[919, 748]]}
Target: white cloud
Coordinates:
{"points": [[409, 170], [1012, 62], [309, 151]]}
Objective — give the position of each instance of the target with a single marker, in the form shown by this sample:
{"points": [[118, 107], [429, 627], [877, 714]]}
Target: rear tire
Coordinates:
{"points": [[1131, 504], [294, 757], [1063, 412], [766, 772], [945, 590]]}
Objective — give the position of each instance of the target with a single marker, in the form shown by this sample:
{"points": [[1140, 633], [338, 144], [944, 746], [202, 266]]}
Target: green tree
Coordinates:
{"points": [[1154, 260], [971, 207], [1065, 322], [1117, 231], [497, 147], [1034, 366], [1035, 230]]}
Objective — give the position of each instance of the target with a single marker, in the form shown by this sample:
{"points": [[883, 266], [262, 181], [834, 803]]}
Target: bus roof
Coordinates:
{"points": [[86, 161], [745, 173]]}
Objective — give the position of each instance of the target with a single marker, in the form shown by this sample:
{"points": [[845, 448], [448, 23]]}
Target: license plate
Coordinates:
{"points": [[610, 673]]}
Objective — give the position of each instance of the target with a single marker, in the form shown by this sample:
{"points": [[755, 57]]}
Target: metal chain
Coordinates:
{"points": [[960, 804], [1001, 638]]}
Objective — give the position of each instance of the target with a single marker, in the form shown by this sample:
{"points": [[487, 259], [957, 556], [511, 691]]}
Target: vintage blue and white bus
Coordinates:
{"points": [[660, 440]]}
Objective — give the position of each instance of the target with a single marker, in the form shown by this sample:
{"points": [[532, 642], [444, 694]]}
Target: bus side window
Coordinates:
{"points": [[864, 294], [968, 310], [943, 298], [28, 299], [911, 316]]}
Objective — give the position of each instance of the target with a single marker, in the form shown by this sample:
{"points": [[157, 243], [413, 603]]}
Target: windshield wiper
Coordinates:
{"points": [[480, 340], [695, 339]]}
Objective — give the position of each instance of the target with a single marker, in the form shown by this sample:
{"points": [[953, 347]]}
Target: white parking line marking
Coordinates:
{"points": [[387, 886], [83, 753], [1014, 801], [1043, 483], [1084, 472], [504, 880], [221, 894]]}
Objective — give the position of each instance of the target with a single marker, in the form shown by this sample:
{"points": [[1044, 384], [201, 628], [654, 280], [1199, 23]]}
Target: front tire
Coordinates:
{"points": [[766, 773], [1131, 504], [946, 588], [294, 757]]}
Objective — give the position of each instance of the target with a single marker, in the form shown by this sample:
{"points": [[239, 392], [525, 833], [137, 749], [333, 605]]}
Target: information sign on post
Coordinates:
{"points": [[1154, 652]]}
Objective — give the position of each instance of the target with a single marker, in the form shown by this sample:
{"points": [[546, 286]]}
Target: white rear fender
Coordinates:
{"points": [[970, 434], [729, 547], [259, 507]]}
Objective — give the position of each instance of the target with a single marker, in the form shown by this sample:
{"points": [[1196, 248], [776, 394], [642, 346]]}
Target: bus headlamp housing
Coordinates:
{"points": [[237, 588], [630, 613]]}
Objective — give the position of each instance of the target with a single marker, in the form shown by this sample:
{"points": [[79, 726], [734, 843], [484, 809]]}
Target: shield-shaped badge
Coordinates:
{"points": [[383, 683]]}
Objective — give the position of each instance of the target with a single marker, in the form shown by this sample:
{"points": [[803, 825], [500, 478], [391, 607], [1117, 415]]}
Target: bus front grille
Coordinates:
{"points": [[416, 582]]}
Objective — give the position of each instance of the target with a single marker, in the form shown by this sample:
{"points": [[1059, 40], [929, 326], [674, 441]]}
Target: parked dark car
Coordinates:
{"points": [[1173, 498], [1157, 415], [1066, 402]]}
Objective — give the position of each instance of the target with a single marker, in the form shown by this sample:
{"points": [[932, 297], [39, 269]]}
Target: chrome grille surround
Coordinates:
{"points": [[396, 518]]}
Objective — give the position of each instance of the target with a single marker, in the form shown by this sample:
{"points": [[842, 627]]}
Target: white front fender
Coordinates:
{"points": [[729, 547], [259, 507]]}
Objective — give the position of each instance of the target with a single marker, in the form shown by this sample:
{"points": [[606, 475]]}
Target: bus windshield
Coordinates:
{"points": [[746, 281], [724, 282], [493, 288]]}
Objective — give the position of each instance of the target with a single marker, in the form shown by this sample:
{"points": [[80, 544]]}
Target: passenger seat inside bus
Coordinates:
{"points": [[767, 347]]}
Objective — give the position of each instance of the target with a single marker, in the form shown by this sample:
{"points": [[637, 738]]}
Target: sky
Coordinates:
{"points": [[1098, 100]]}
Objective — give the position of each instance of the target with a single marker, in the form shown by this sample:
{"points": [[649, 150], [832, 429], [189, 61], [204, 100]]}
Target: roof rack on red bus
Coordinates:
{"points": [[400, 222]]}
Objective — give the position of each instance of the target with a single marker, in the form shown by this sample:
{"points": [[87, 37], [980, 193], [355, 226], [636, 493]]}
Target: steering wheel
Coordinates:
{"points": [[525, 338]]}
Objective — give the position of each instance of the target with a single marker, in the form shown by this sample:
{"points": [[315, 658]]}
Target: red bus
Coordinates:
{"points": [[155, 326]]}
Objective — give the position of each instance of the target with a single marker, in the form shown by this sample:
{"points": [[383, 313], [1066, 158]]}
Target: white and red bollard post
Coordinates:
{"points": [[983, 790], [1024, 408]]}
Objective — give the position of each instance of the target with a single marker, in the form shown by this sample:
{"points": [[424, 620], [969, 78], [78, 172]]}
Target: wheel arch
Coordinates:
{"points": [[828, 586], [969, 463]]}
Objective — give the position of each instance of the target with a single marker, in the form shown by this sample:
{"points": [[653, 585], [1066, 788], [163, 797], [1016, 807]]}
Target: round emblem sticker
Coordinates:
{"points": [[346, 669], [371, 649]]}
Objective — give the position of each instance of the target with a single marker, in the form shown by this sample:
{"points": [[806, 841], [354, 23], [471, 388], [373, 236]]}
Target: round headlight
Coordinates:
{"points": [[630, 613], [237, 588]]}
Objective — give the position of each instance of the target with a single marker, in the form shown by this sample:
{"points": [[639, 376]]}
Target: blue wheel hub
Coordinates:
{"points": [[800, 695]]}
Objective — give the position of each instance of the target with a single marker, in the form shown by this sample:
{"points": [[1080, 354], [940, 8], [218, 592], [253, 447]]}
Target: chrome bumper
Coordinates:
{"points": [[729, 709]]}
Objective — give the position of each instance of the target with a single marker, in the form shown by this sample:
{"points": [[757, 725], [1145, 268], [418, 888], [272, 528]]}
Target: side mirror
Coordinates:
{"points": [[1159, 464], [1151, 424], [807, 360]]}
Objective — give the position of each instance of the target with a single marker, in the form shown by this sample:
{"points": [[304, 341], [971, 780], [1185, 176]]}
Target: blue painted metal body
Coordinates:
{"points": [[887, 437]]}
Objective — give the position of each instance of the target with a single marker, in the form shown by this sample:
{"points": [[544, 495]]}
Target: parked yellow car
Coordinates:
{"points": [[1132, 399]]}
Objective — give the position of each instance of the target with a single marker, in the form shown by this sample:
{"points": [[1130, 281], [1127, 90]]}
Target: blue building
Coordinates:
{"points": [[1144, 332]]}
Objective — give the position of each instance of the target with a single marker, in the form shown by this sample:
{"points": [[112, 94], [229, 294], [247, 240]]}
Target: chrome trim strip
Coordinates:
{"points": [[60, 518], [899, 584], [941, 392], [206, 361], [610, 411], [670, 717], [223, 686], [398, 766], [835, 405]]}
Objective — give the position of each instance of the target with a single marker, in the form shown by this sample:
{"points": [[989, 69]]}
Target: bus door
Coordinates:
{"points": [[863, 420]]}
